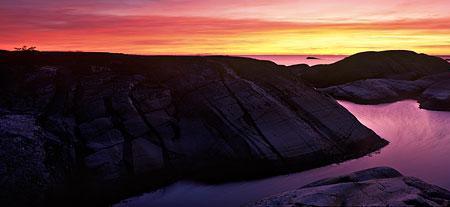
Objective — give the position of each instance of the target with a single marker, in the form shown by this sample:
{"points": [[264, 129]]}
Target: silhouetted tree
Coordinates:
{"points": [[25, 49]]}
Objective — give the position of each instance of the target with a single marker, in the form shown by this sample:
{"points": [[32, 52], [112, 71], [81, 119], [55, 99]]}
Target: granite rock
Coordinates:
{"points": [[381, 186], [120, 124]]}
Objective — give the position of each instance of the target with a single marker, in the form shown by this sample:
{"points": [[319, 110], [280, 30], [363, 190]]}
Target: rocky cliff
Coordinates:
{"points": [[92, 128], [380, 186]]}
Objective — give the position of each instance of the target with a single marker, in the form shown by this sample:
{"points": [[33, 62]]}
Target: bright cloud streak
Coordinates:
{"points": [[227, 27]]}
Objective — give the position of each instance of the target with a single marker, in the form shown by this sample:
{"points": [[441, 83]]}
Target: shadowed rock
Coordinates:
{"points": [[381, 77], [375, 91], [396, 64], [437, 96], [101, 127], [380, 186]]}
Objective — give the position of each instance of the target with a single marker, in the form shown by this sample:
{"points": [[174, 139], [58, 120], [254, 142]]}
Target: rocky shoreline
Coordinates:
{"points": [[94, 128], [384, 77], [381, 186], [89, 129]]}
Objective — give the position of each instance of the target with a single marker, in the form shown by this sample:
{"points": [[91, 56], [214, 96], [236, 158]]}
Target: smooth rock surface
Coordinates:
{"points": [[437, 96], [431, 91], [107, 126], [394, 64], [373, 91], [381, 77], [381, 186]]}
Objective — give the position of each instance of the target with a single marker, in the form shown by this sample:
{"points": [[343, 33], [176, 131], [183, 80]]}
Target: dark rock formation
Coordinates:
{"points": [[381, 77], [312, 58], [437, 96], [375, 91], [403, 65], [380, 186], [92, 128], [372, 91]]}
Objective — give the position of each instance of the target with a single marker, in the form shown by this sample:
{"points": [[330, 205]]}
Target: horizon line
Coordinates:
{"points": [[214, 54]]}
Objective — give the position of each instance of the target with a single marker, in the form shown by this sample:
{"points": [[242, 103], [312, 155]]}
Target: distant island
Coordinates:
{"points": [[312, 58]]}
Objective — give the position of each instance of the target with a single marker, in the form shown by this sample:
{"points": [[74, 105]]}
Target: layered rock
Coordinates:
{"points": [[380, 186], [118, 124]]}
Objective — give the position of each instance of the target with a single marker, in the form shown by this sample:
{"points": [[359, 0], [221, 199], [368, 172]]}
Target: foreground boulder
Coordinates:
{"points": [[380, 186], [93, 128]]}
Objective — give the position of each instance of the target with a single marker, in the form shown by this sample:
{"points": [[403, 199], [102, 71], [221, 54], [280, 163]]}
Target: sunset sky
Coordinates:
{"points": [[227, 27]]}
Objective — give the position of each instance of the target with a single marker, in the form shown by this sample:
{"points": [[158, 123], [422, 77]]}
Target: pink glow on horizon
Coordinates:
{"points": [[227, 27]]}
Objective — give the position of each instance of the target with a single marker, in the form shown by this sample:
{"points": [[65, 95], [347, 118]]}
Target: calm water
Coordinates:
{"points": [[299, 59], [419, 146]]}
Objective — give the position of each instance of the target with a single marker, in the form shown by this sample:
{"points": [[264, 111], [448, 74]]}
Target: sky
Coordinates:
{"points": [[232, 27]]}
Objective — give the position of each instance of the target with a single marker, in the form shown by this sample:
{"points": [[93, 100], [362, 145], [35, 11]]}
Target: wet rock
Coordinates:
{"points": [[380, 186]]}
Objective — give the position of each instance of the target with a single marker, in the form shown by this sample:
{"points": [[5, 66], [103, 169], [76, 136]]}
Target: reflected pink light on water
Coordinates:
{"points": [[419, 139], [419, 146]]}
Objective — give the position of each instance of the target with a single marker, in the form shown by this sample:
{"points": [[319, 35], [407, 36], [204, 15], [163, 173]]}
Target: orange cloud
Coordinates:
{"points": [[156, 34]]}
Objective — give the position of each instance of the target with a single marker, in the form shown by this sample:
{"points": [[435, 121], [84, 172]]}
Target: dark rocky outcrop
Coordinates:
{"points": [[380, 186], [381, 77], [375, 91], [437, 96], [312, 58], [92, 128], [396, 64]]}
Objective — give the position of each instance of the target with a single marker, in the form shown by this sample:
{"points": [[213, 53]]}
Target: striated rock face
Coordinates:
{"points": [[96, 127], [396, 64], [380, 186]]}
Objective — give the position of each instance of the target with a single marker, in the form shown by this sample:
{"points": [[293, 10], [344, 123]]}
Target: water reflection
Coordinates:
{"points": [[419, 146]]}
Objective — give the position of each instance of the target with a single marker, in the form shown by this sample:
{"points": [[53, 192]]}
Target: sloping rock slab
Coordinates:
{"points": [[381, 186], [375, 91], [140, 122]]}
